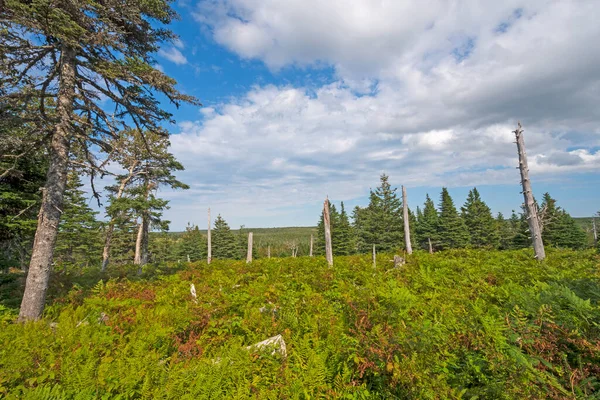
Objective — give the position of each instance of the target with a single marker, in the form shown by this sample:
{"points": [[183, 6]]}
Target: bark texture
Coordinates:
{"points": [[209, 254], [328, 249], [311, 246], [249, 254], [406, 221], [40, 265], [530, 207]]}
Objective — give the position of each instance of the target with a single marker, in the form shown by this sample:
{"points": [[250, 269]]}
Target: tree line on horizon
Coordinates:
{"points": [[381, 224]]}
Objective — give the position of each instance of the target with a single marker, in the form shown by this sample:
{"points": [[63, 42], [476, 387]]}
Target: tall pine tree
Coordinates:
{"points": [[380, 223], [427, 224], [479, 221], [224, 243], [452, 231]]}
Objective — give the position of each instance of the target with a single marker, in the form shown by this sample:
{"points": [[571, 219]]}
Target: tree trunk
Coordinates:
{"points": [[374, 256], [328, 249], [209, 254], [141, 244], [406, 222], [594, 231], [532, 216], [249, 254], [269, 251], [40, 265], [311, 246], [430, 246]]}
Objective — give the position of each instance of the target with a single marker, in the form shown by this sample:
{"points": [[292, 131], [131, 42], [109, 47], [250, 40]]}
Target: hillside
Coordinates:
{"points": [[457, 324]]}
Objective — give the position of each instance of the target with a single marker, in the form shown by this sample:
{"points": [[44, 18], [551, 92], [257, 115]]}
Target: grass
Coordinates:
{"points": [[458, 324]]}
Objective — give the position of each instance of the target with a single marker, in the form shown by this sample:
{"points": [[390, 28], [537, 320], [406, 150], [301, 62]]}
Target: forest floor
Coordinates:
{"points": [[457, 324]]}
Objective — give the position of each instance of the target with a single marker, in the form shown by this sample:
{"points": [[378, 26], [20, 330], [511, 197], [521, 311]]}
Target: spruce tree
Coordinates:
{"points": [[343, 235], [224, 243], [79, 231], [427, 224], [479, 221], [78, 73], [558, 227], [192, 243], [20, 197], [451, 229], [506, 234], [381, 221]]}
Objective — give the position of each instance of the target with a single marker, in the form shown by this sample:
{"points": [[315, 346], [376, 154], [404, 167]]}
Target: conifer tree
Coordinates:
{"points": [[558, 227], [77, 74], [192, 243], [79, 231], [479, 221], [381, 221], [506, 234], [224, 242], [451, 229], [342, 240], [427, 224], [20, 197]]}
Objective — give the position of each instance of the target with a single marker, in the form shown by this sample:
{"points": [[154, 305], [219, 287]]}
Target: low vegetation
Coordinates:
{"points": [[457, 324]]}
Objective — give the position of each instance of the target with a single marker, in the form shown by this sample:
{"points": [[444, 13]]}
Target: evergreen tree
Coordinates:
{"points": [[451, 229], [193, 244], [427, 224], [224, 243], [79, 231], [520, 228], [380, 222], [506, 235], [559, 229], [20, 197], [87, 70], [479, 221], [343, 235], [359, 227]]}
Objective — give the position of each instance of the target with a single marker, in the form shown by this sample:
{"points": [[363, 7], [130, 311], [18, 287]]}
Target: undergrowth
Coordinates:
{"points": [[459, 324]]}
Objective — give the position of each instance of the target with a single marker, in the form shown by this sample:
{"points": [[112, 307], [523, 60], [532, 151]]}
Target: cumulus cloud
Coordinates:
{"points": [[428, 92], [174, 55]]}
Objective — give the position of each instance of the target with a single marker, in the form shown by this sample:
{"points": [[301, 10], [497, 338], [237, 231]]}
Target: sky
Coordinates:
{"points": [[304, 99]]}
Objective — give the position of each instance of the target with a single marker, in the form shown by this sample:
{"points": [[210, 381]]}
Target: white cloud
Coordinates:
{"points": [[428, 92], [174, 55]]}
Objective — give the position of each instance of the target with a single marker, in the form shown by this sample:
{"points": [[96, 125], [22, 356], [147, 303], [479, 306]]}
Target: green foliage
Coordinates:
{"points": [[427, 223], [341, 233], [559, 228], [452, 232], [224, 243], [457, 324], [380, 223], [78, 232], [480, 222]]}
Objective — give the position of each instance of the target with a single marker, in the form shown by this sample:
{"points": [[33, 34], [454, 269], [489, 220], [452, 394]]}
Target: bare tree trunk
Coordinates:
{"points": [[269, 251], [532, 216], [430, 246], [249, 254], [374, 256], [40, 265], [594, 231], [328, 249], [209, 256], [311, 246], [406, 221], [141, 244]]}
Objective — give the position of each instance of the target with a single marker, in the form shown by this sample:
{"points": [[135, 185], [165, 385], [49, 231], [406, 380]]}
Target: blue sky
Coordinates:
{"points": [[303, 99]]}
